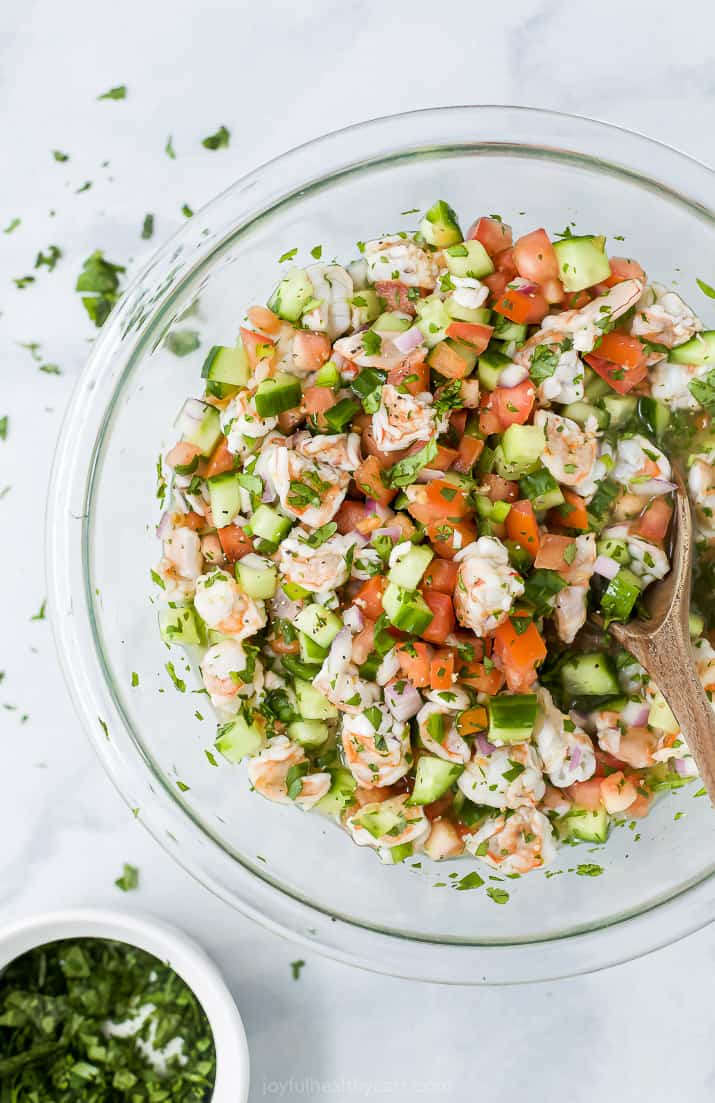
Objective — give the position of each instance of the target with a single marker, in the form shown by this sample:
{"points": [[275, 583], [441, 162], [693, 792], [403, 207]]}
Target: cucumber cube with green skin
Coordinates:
{"points": [[408, 570], [300, 669], [391, 322], [433, 319], [312, 704], [522, 447], [614, 549], [594, 387], [309, 733], [584, 825], [433, 778], [257, 577], [269, 525], [227, 366], [225, 497], [589, 674], [406, 609], [541, 488], [328, 376], [367, 306], [511, 717], [204, 433], [469, 259], [440, 227], [319, 624], [276, 395], [239, 739], [620, 409], [491, 365], [292, 295], [582, 262], [620, 596], [696, 625], [465, 351], [699, 350], [581, 412], [654, 414], [339, 416], [310, 651], [293, 591], [660, 715], [181, 624], [504, 330], [478, 315], [340, 794], [378, 820], [393, 855]]}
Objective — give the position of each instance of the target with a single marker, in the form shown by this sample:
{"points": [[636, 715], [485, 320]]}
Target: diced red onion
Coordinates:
{"points": [[606, 566], [520, 284], [269, 491], [192, 413], [484, 745], [654, 487], [353, 618], [428, 474], [681, 767], [371, 506], [512, 375], [404, 705], [409, 340], [164, 527], [635, 714], [575, 757], [359, 539], [393, 531], [341, 648], [283, 608]]}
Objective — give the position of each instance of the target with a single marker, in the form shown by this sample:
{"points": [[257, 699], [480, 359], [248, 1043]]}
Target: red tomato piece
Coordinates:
{"points": [[257, 346], [475, 335], [470, 449], [415, 659], [447, 537], [442, 621], [653, 523], [442, 670], [521, 527], [624, 269], [234, 542], [494, 234], [621, 379], [524, 305], [441, 575], [369, 596], [513, 405]]}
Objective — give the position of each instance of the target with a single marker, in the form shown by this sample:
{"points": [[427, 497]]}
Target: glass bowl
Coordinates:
{"points": [[296, 873]]}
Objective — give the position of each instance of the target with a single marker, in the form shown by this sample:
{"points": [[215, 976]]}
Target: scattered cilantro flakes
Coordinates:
{"points": [[49, 259], [148, 227], [289, 255], [99, 277], [169, 148], [117, 93], [371, 342], [60, 156], [499, 896], [21, 282], [103, 726], [703, 391], [4, 422], [40, 614], [187, 211], [706, 288], [405, 471], [50, 369], [12, 225], [589, 869], [210, 756], [179, 683], [84, 187], [129, 879], [295, 968], [135, 679], [469, 881], [182, 786], [219, 140], [316, 252], [701, 793], [182, 341]]}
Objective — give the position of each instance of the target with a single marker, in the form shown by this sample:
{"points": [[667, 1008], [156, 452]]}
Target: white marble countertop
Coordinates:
{"points": [[277, 74]]}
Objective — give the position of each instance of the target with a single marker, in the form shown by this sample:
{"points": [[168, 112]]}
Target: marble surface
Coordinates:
{"points": [[277, 74]]}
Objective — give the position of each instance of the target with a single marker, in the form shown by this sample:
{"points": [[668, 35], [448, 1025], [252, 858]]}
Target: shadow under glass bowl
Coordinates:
{"points": [[296, 873]]}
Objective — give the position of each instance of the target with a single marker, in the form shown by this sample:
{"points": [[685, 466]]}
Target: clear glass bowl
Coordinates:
{"points": [[298, 873]]}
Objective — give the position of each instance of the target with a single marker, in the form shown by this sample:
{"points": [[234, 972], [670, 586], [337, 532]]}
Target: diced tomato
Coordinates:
{"points": [[398, 296], [458, 422], [576, 299], [258, 347], [489, 422], [621, 348], [442, 611], [472, 720], [369, 596], [535, 257], [470, 449], [494, 234], [572, 514], [412, 374], [621, 379], [415, 660], [316, 400], [193, 521], [283, 646], [587, 794], [554, 552], [475, 335], [447, 361], [624, 269], [447, 537], [368, 478], [500, 490], [310, 350], [521, 527], [363, 642], [523, 305], [441, 575], [443, 460], [519, 653], [442, 670], [478, 677], [653, 523], [221, 459], [263, 318], [235, 542], [513, 405], [437, 499], [496, 283], [504, 262], [350, 515]]}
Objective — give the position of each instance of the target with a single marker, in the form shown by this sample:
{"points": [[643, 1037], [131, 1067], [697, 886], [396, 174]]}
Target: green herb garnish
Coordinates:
{"points": [[219, 140], [118, 93]]}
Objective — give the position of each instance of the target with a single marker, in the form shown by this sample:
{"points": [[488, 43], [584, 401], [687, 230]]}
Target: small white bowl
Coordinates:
{"points": [[168, 944]]}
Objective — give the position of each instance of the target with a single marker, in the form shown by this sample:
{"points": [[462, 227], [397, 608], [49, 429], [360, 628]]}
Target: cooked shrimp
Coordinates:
{"points": [[468, 293], [340, 681], [638, 462], [333, 287], [507, 777], [565, 384], [439, 735], [670, 383], [341, 450], [455, 699], [404, 419], [181, 563], [268, 774], [593, 320], [228, 677], [701, 484], [661, 316], [618, 792], [309, 490], [647, 561], [523, 842], [241, 419], [408, 824], [486, 585], [395, 258], [570, 611], [376, 747], [320, 569], [223, 606], [571, 453], [704, 658], [565, 749]]}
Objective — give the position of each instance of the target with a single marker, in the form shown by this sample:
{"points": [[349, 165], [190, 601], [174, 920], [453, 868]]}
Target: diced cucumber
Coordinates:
{"points": [[654, 414], [310, 651], [339, 795], [279, 393], [319, 624], [504, 330], [239, 738], [479, 315], [293, 591], [696, 625], [581, 412], [590, 674], [584, 825], [300, 669], [339, 416], [620, 409], [181, 624], [614, 549], [367, 306], [391, 322], [328, 376], [292, 295], [470, 259], [312, 704], [594, 386], [660, 715], [379, 820], [256, 576], [491, 365], [440, 227], [620, 596], [225, 497], [406, 609], [408, 570], [699, 350], [433, 319], [205, 431], [269, 526], [225, 370], [662, 777], [542, 489], [433, 778], [511, 717], [309, 733], [582, 261], [394, 855], [522, 447]]}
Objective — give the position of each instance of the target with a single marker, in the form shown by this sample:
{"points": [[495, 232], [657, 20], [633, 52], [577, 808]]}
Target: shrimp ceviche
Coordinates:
{"points": [[402, 493]]}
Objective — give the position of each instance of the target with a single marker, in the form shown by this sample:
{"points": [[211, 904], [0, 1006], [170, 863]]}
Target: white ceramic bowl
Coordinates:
{"points": [[168, 944]]}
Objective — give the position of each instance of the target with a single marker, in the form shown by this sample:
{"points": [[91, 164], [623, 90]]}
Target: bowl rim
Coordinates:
{"points": [[355, 146], [170, 945]]}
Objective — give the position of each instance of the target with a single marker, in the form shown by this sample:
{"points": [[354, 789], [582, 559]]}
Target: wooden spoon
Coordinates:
{"points": [[662, 645]]}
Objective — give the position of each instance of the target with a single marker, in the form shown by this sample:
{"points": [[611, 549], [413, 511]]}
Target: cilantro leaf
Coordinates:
{"points": [[295, 968], [60, 156], [405, 472], [100, 278], [48, 259], [219, 140], [499, 896], [169, 148], [706, 288], [12, 225], [4, 422], [703, 390], [129, 879], [148, 227], [117, 93], [544, 362], [182, 341], [371, 342]]}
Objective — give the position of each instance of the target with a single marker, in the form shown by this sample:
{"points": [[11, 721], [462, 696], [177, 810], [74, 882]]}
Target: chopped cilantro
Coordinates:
{"points": [[295, 968], [169, 148], [499, 896], [589, 869], [706, 288], [405, 472], [4, 422], [703, 390], [148, 227], [21, 282], [100, 278], [371, 342], [48, 259], [288, 255], [40, 614], [129, 879], [219, 140], [12, 225], [544, 362], [182, 341], [60, 156], [316, 252], [179, 683], [118, 93], [469, 881]]}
